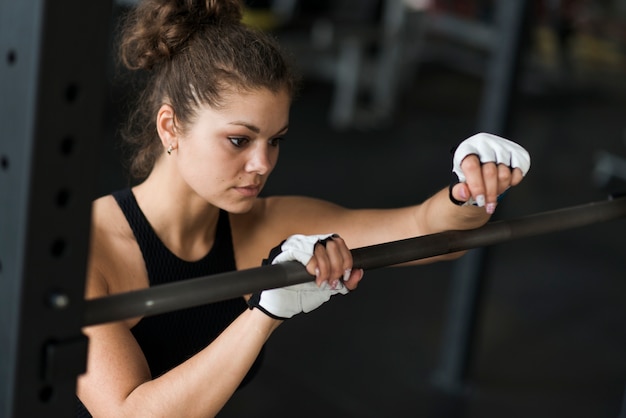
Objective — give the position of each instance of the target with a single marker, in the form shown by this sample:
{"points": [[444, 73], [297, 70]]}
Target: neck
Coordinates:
{"points": [[184, 221]]}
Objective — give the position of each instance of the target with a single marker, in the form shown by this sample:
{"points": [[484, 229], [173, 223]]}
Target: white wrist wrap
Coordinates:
{"points": [[285, 302]]}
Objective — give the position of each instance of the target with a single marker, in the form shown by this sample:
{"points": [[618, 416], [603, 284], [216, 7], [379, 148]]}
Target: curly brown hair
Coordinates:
{"points": [[192, 52]]}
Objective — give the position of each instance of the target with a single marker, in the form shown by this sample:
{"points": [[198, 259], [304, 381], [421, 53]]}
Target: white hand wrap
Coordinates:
{"points": [[285, 302], [491, 148], [298, 248]]}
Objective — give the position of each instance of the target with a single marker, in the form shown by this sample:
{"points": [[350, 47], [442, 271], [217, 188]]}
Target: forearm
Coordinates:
{"points": [[202, 385], [199, 387], [366, 227]]}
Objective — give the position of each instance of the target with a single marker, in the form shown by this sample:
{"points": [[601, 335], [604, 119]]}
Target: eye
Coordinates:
{"points": [[274, 142], [238, 141]]}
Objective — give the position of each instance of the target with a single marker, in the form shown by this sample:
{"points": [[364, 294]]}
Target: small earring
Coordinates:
{"points": [[170, 149]]}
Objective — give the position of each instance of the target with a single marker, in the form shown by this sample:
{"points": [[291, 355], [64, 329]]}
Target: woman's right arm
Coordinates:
{"points": [[118, 381]]}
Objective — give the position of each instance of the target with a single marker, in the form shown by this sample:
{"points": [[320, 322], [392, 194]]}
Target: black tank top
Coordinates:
{"points": [[171, 338]]}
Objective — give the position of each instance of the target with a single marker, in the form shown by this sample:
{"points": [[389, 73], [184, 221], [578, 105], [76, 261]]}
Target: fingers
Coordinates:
{"points": [[490, 181], [473, 170], [484, 182], [355, 277], [461, 193], [332, 263], [516, 177], [473, 178]]}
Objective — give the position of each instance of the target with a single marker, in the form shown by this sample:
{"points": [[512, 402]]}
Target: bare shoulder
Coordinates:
{"points": [[273, 219], [115, 261]]}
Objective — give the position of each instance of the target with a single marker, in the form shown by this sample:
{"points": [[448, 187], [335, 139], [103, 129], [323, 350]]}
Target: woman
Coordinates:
{"points": [[206, 135]]}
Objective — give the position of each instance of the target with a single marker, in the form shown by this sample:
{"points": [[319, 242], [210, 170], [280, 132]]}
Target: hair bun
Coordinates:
{"points": [[203, 12], [156, 30]]}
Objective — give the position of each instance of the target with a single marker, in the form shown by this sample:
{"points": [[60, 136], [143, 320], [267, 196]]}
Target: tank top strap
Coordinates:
{"points": [[162, 265]]}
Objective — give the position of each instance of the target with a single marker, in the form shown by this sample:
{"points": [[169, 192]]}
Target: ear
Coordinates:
{"points": [[166, 128]]}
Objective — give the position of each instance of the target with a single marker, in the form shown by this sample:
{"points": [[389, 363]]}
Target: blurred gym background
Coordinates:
{"points": [[529, 328]]}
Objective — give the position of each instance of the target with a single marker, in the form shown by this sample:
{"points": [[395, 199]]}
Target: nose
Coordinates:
{"points": [[261, 160]]}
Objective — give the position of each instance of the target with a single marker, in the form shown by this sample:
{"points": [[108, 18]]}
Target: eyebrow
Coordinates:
{"points": [[255, 128]]}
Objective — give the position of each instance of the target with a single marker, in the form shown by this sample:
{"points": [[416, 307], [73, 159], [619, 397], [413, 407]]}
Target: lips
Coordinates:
{"points": [[250, 190]]}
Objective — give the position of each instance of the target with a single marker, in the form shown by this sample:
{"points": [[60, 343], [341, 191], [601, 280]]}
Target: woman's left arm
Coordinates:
{"points": [[486, 166], [365, 227]]}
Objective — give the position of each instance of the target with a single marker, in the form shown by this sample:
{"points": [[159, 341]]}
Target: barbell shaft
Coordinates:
{"points": [[208, 289]]}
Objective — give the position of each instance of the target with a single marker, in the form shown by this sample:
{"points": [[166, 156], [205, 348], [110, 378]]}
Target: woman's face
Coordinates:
{"points": [[227, 154]]}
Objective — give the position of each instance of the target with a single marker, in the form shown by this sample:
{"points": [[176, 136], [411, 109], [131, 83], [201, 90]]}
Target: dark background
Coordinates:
{"points": [[549, 338]]}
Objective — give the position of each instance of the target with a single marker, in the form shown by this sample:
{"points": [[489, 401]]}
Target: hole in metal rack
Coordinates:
{"points": [[67, 145], [58, 248], [4, 162], [71, 92], [63, 198], [11, 57], [46, 393]]}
